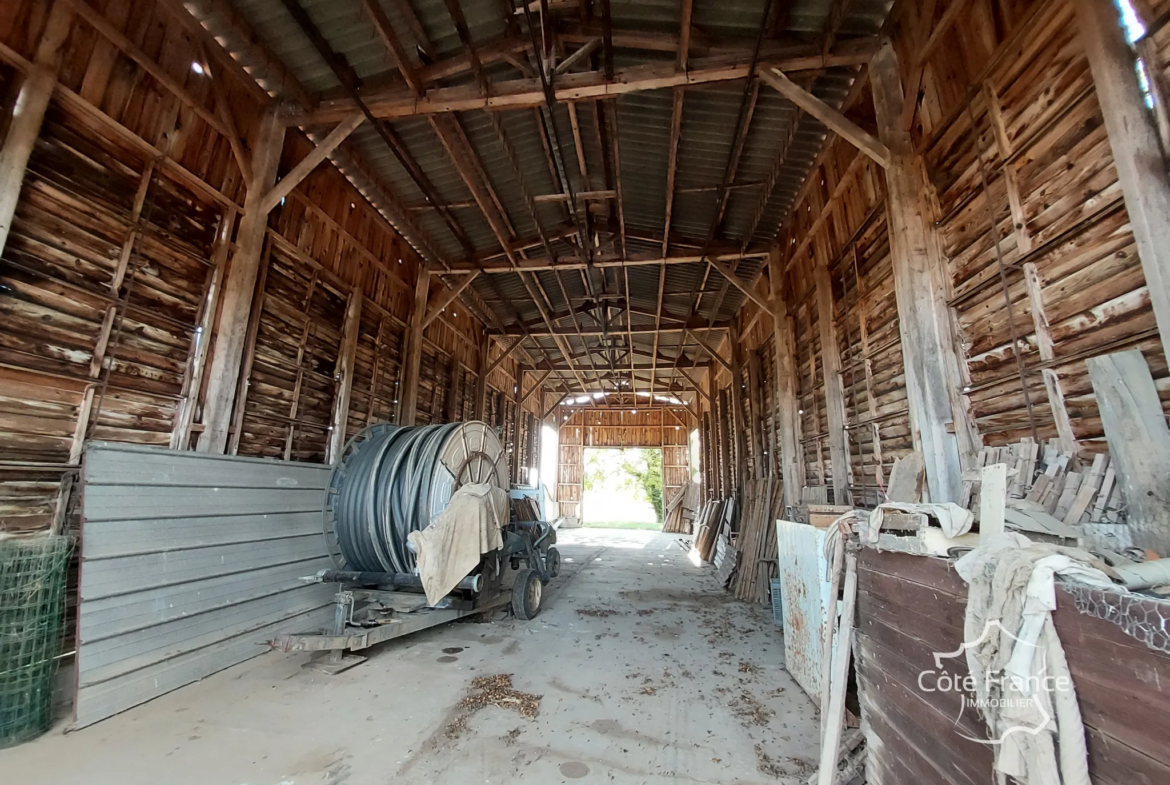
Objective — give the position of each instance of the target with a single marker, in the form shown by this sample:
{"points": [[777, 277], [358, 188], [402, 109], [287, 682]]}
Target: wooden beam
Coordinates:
{"points": [[310, 162], [485, 347], [535, 386], [252, 332], [682, 56], [454, 390], [347, 355], [407, 12], [552, 408], [623, 369], [615, 150], [928, 348], [224, 110], [448, 297], [28, 112], [385, 32], [834, 390], [672, 164], [475, 177], [784, 344], [1139, 442], [582, 168], [692, 324], [408, 395], [833, 120], [738, 422], [588, 196], [518, 404], [577, 57], [695, 385], [590, 85], [949, 17], [709, 349], [193, 385], [507, 352], [240, 287], [573, 263], [739, 283], [1137, 153], [148, 64]]}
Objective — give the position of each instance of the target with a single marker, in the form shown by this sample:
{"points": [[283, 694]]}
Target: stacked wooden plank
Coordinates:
{"points": [[525, 509], [726, 558], [757, 539], [680, 509], [710, 521], [1075, 491]]}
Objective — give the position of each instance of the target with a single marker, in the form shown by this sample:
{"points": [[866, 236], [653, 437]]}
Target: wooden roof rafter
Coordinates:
{"points": [[574, 87]]}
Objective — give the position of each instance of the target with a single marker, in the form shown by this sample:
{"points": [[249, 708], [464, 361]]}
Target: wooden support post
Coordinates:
{"points": [[310, 162], [834, 392], [518, 402], [920, 284], [726, 442], [481, 381], [784, 340], [240, 286], [454, 412], [1139, 443], [181, 438], [756, 430], [241, 407], [739, 459], [1137, 153], [347, 355], [408, 395], [29, 112]]}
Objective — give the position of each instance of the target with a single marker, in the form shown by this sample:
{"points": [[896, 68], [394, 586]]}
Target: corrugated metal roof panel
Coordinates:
{"points": [[776, 152]]}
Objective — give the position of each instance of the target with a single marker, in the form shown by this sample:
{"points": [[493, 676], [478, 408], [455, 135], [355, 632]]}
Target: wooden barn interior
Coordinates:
{"points": [[883, 281]]}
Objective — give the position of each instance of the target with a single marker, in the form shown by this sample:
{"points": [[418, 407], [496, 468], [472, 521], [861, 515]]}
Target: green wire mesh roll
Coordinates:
{"points": [[33, 572]]}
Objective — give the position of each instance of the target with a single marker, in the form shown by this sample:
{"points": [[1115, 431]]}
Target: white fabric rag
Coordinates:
{"points": [[449, 549], [1016, 660]]}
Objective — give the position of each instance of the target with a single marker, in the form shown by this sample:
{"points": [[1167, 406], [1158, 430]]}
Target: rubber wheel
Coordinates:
{"points": [[526, 594], [552, 562]]}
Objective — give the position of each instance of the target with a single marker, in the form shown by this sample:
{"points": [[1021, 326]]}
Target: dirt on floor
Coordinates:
{"points": [[640, 669]]}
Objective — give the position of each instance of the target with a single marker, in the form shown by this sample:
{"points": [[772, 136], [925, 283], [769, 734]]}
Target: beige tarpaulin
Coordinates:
{"points": [[449, 549], [1016, 660]]}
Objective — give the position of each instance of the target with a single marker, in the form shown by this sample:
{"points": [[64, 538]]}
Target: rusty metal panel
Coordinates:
{"points": [[805, 600]]}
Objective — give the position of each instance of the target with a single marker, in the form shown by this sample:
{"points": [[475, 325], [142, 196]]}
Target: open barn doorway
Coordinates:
{"points": [[622, 488]]}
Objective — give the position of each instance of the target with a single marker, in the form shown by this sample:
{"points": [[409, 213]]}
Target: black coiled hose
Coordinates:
{"points": [[390, 482]]}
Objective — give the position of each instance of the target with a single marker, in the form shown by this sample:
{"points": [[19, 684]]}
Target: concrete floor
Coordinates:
{"points": [[648, 672]]}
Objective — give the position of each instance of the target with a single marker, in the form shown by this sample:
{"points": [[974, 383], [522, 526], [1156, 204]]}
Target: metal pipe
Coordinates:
{"points": [[398, 580]]}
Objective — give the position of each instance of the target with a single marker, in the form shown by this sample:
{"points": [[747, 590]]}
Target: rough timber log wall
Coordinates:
{"points": [[1015, 144], [1004, 112], [839, 223], [109, 275]]}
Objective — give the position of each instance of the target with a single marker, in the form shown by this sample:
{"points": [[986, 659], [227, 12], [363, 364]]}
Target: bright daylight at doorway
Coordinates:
{"points": [[622, 488]]}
